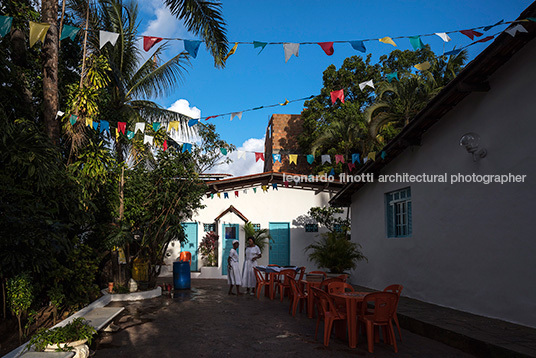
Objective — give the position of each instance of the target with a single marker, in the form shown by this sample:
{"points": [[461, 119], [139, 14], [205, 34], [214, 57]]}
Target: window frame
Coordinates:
{"points": [[398, 213]]}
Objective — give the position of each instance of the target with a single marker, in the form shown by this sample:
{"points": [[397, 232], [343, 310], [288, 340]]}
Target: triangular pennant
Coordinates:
{"points": [[310, 158], [150, 41], [89, 122], [236, 193], [258, 156], [264, 188], [355, 158], [104, 126], [187, 147], [140, 126], [95, 125], [241, 154], [443, 36], [391, 76], [212, 196], [293, 158], [121, 127], [254, 190], [327, 47], [351, 166], [274, 186], [423, 66], [192, 122], [105, 37], [164, 145], [223, 151], [416, 42], [69, 32], [387, 40], [116, 134], [38, 31], [262, 45], [206, 119], [192, 47], [339, 158], [369, 83], [332, 172], [383, 154], [512, 31], [236, 114], [358, 46], [148, 139], [326, 158], [73, 119], [290, 49], [337, 95], [130, 134], [487, 28], [284, 103], [285, 183], [173, 125], [245, 191], [233, 50], [219, 195], [5, 25], [226, 195], [471, 33], [276, 158], [372, 156], [485, 39], [156, 126]]}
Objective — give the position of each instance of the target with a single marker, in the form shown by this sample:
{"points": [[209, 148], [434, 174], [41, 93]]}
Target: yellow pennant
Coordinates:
{"points": [[293, 158], [218, 194], [173, 125], [38, 31], [284, 103], [264, 188], [388, 40], [372, 156], [89, 122], [423, 66], [231, 52], [117, 134]]}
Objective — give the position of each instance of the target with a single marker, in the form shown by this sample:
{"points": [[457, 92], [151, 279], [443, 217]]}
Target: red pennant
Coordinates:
{"points": [[286, 184], [337, 94], [485, 39], [206, 119], [236, 193], [121, 126], [259, 156], [339, 158], [327, 47], [165, 145], [471, 33], [149, 42], [351, 166]]}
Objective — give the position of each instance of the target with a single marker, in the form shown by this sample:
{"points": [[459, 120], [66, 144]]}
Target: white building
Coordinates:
{"points": [[465, 244], [281, 208]]}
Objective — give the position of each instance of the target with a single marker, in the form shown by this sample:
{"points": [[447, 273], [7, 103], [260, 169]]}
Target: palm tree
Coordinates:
{"points": [[260, 236]]}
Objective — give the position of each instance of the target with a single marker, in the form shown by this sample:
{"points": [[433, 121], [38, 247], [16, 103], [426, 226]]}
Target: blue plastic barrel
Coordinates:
{"points": [[181, 275]]}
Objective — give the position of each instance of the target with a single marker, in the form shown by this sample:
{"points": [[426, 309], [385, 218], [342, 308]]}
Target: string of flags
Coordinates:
{"points": [[38, 32]]}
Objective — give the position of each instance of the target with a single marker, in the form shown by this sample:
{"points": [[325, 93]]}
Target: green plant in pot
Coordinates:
{"points": [[260, 236], [63, 338]]}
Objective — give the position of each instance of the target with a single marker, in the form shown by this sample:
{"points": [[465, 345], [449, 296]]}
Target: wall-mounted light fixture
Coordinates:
{"points": [[471, 141]]}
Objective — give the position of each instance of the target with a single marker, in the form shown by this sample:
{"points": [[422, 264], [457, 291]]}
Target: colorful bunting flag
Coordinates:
{"points": [[236, 193], [192, 47], [471, 33], [264, 188], [69, 32], [372, 156], [148, 139], [351, 166], [293, 158], [310, 158], [487, 28], [258, 156], [38, 31], [5, 25], [73, 119], [104, 126], [121, 127], [337, 95], [241, 154], [423, 66], [326, 158], [274, 186], [206, 119], [339, 158], [233, 50], [383, 155], [187, 147], [387, 40], [254, 190], [218, 195], [105, 37], [164, 145], [59, 114], [355, 158], [512, 31], [332, 172], [192, 122], [285, 183], [89, 122], [391, 76], [116, 134], [149, 42], [485, 39], [358, 46], [223, 151], [236, 114], [416, 42], [130, 134], [327, 47], [156, 126], [290, 49], [276, 158], [443, 36], [95, 125], [262, 45], [140, 126], [369, 83], [284, 103], [173, 125], [226, 195], [212, 196]]}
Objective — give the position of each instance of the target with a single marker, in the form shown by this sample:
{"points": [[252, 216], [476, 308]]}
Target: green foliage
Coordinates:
{"points": [[209, 249], [207, 152], [260, 237], [329, 217], [335, 252], [20, 297], [78, 329], [121, 289]]}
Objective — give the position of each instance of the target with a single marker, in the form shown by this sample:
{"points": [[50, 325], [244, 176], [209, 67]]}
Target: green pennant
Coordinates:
{"points": [[5, 25], [69, 32], [416, 42], [262, 45], [223, 151]]}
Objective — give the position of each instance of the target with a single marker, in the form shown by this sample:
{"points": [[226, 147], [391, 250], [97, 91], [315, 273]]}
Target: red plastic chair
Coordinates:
{"points": [[284, 285], [398, 290], [319, 273], [186, 256], [302, 273], [328, 312], [298, 296], [381, 315], [261, 282], [324, 284], [339, 287]]}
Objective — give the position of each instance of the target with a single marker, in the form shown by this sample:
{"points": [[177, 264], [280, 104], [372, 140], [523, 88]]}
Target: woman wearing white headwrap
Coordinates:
{"points": [[233, 272], [253, 252]]}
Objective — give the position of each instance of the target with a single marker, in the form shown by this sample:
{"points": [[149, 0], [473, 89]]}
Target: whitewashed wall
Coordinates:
{"points": [[283, 205], [473, 246]]}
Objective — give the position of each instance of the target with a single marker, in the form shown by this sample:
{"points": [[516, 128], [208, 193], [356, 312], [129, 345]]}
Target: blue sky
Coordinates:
{"points": [[250, 80]]}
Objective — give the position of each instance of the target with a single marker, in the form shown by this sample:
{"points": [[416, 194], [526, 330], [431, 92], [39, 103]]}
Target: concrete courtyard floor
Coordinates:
{"points": [[206, 322]]}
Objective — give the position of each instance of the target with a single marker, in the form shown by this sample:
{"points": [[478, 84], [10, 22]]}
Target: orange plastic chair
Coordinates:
{"points": [[339, 287], [302, 273], [319, 273], [284, 285], [328, 312], [274, 265], [324, 284], [379, 316], [186, 256], [298, 296], [261, 282], [398, 290]]}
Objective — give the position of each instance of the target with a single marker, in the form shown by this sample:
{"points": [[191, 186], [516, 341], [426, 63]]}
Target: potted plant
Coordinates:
{"points": [[71, 337], [260, 236], [209, 249]]}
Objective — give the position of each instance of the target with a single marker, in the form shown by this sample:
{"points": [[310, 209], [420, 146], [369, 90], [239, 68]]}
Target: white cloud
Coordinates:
{"points": [[245, 165], [165, 24], [182, 106]]}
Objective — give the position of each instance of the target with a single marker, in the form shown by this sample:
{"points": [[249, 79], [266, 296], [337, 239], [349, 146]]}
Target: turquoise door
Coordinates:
{"points": [[190, 231], [230, 233], [280, 245]]}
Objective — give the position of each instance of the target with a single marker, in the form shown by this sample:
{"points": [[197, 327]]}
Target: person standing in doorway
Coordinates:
{"points": [[233, 274], [253, 253]]}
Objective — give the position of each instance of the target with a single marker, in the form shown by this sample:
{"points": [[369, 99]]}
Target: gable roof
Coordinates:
{"points": [[473, 78], [231, 209]]}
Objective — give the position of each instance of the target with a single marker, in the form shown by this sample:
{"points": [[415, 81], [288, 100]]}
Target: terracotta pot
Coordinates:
{"points": [[110, 287]]}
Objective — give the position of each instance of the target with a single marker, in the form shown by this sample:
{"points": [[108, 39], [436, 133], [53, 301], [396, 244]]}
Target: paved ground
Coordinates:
{"points": [[206, 322]]}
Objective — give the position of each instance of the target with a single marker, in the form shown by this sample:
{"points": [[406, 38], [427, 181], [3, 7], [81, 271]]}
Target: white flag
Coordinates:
{"points": [[236, 114], [326, 158], [105, 36], [443, 36], [148, 139], [291, 49], [241, 154], [515, 29], [366, 83], [60, 114], [139, 126]]}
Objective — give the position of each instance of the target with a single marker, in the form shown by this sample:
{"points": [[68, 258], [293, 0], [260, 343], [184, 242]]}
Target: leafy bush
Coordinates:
{"points": [[209, 249], [335, 252], [20, 297], [78, 329]]}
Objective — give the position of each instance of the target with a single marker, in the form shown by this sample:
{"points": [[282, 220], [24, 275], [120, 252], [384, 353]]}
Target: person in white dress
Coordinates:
{"points": [[233, 272], [253, 253]]}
